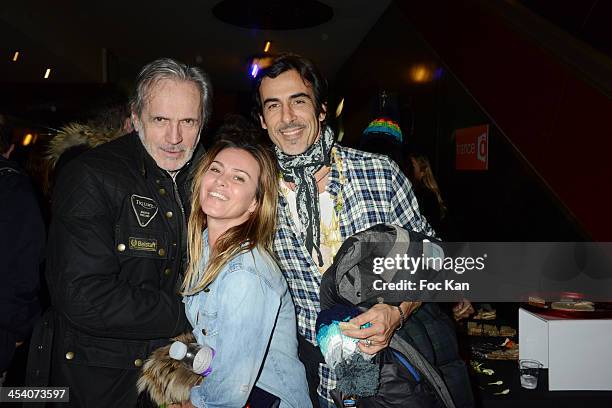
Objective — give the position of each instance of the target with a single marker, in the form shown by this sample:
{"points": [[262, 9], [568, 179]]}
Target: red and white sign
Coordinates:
{"points": [[472, 148]]}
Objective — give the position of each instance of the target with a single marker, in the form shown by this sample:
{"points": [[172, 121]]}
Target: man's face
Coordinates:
{"points": [[170, 122], [289, 113]]}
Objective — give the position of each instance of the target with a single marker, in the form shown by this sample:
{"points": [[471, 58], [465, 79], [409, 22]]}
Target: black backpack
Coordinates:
{"points": [[407, 378]]}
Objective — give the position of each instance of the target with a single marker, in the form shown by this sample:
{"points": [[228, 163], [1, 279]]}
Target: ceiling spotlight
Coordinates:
{"points": [[254, 70], [421, 73], [47, 73], [267, 47], [259, 62], [15, 56], [27, 139]]}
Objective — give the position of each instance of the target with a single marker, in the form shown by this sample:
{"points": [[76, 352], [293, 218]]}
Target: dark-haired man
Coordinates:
{"points": [[328, 193]]}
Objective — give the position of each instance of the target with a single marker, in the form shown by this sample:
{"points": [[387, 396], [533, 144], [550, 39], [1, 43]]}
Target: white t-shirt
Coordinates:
{"points": [[330, 225]]}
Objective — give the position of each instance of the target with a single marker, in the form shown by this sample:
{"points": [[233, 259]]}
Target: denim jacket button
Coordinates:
{"points": [[204, 332]]}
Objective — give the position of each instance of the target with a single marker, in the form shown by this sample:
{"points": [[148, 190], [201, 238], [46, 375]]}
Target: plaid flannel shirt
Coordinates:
{"points": [[367, 189]]}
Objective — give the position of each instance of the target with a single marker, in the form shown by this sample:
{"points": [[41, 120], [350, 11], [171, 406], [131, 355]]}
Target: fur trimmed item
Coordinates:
{"points": [[166, 380], [76, 134]]}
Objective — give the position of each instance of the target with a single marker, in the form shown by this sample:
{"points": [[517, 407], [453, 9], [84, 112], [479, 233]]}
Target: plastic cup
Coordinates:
{"points": [[529, 371]]}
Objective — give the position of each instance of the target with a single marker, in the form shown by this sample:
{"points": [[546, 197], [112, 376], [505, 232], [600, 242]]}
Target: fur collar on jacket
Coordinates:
{"points": [[76, 134]]}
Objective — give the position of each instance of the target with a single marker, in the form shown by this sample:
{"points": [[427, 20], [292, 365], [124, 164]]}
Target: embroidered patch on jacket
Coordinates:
{"points": [[143, 244], [144, 208]]}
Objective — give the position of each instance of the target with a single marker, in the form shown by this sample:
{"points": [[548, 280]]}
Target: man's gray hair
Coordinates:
{"points": [[167, 68]]}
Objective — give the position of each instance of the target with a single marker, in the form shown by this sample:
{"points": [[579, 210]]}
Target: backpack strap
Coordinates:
{"points": [[425, 368], [400, 357]]}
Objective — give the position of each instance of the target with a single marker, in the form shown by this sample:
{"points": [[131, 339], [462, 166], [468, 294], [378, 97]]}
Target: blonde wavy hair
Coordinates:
{"points": [[429, 181], [257, 231]]}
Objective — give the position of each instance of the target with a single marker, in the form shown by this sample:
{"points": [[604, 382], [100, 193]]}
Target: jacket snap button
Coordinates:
{"points": [[161, 252], [162, 191], [167, 271], [40, 347], [138, 362], [206, 290], [69, 355], [169, 214], [121, 247], [204, 332]]}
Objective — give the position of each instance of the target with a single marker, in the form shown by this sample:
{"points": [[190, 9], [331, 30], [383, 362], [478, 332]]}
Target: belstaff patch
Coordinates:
{"points": [[144, 208], [143, 244]]}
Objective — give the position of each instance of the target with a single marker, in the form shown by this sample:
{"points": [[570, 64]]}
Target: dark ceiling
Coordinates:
{"points": [[273, 14], [93, 45], [97, 42], [587, 20]]}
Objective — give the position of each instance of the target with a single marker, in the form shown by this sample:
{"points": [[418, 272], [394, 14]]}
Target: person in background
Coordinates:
{"points": [[236, 298], [433, 207], [106, 120], [22, 242], [384, 135], [428, 193]]}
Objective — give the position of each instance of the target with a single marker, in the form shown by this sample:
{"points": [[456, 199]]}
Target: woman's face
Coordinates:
{"points": [[227, 196]]}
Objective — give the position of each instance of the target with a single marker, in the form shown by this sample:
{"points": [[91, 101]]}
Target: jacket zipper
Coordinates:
{"points": [[177, 196]]}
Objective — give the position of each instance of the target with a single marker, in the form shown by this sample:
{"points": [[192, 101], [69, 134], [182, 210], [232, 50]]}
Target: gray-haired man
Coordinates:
{"points": [[117, 241]]}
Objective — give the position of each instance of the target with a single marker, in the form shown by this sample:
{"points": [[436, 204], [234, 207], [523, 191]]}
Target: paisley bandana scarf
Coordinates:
{"points": [[300, 169]]}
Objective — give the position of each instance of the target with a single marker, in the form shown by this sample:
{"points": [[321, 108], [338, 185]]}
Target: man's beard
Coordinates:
{"points": [[179, 164]]}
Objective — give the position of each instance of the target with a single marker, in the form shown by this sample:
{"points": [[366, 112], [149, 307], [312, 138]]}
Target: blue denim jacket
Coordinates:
{"points": [[247, 317]]}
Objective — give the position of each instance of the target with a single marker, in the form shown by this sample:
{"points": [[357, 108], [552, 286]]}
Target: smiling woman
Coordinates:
{"points": [[228, 191], [235, 295], [234, 202]]}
